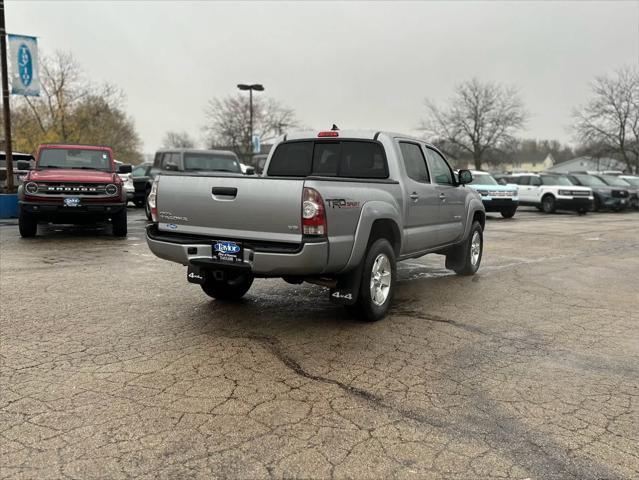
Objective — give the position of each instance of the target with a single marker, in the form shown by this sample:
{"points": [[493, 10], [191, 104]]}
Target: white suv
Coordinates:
{"points": [[550, 192]]}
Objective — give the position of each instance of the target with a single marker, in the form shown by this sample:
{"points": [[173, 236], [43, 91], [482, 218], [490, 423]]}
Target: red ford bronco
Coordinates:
{"points": [[73, 184]]}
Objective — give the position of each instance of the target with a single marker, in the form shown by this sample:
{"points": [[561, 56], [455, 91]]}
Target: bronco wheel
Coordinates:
{"points": [[118, 221], [510, 213], [379, 276], [27, 224], [465, 259], [229, 289], [548, 204]]}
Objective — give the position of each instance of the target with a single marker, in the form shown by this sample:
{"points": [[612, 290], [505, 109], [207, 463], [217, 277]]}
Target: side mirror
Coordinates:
{"points": [[171, 166], [125, 168], [23, 165], [465, 176], [250, 171]]}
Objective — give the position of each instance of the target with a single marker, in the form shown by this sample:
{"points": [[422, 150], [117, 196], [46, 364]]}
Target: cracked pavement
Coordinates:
{"points": [[113, 366]]}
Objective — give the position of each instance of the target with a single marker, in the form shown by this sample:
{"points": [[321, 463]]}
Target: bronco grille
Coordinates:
{"points": [[71, 188], [499, 193], [580, 193]]}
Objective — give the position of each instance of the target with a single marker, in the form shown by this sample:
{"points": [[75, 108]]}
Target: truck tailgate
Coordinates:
{"points": [[231, 207]]}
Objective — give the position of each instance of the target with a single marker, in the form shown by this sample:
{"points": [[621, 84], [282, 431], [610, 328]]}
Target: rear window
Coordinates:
{"points": [[343, 158]]}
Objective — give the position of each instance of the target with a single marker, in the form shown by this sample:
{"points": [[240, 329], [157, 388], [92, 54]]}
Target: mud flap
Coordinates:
{"points": [[195, 275], [347, 290]]}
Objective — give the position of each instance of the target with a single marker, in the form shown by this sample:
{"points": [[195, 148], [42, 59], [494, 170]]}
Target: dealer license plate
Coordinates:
{"points": [[228, 252], [72, 202]]}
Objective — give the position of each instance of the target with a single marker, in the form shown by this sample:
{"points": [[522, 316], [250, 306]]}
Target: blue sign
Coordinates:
{"points": [[24, 65]]}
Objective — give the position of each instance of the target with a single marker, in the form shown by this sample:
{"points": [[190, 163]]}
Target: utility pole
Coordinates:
{"points": [[5, 101], [259, 88]]}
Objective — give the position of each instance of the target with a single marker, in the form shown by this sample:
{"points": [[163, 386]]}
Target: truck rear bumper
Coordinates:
{"points": [[263, 259]]}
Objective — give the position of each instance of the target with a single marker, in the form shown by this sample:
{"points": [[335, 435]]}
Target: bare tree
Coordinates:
{"points": [[228, 121], [609, 121], [71, 109], [481, 118], [178, 140]]}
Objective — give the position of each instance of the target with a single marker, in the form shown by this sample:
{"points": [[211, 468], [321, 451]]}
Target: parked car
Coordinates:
{"points": [[605, 196], [259, 161], [191, 161], [127, 181], [495, 197], [140, 178], [18, 173], [337, 209], [73, 184], [551, 192], [618, 181]]}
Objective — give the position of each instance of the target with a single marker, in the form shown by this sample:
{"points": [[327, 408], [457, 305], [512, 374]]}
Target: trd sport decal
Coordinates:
{"points": [[342, 203]]}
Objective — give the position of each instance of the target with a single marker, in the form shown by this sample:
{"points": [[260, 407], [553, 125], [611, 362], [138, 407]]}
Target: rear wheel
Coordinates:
{"points": [[119, 223], [27, 224], [228, 289], [378, 282], [548, 204], [510, 213], [465, 259]]}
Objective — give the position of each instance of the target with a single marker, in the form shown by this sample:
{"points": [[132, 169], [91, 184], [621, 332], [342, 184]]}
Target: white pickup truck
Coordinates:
{"points": [[334, 208]]}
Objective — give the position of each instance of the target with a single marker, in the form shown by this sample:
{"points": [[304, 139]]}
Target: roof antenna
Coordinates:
{"points": [[334, 127]]}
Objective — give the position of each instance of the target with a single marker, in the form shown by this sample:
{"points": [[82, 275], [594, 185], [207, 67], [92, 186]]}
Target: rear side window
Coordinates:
{"points": [[414, 162], [344, 158]]}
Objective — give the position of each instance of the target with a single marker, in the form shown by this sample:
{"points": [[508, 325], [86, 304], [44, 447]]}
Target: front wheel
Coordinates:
{"points": [[379, 276], [228, 289], [119, 223], [27, 224], [510, 213], [548, 204], [465, 259]]}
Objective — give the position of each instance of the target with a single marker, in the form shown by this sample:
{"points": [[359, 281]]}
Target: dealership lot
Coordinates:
{"points": [[112, 365]]}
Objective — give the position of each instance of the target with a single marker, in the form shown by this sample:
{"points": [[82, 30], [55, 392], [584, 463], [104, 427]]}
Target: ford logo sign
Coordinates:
{"points": [[226, 247]]}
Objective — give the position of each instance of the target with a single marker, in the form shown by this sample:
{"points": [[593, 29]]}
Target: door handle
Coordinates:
{"points": [[414, 196]]}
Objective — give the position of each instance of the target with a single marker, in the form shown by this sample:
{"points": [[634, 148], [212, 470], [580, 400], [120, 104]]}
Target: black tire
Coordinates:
{"points": [[510, 213], [230, 289], [582, 211], [366, 308], [118, 221], [461, 260], [27, 224], [548, 203]]}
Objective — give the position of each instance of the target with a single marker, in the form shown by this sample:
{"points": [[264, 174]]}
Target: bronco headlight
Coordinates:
{"points": [[111, 189], [31, 188], [483, 193]]}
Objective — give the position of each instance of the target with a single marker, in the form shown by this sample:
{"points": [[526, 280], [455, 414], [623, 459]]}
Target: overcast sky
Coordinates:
{"points": [[359, 64]]}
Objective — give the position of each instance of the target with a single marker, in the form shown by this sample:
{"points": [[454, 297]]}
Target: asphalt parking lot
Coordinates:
{"points": [[113, 366]]}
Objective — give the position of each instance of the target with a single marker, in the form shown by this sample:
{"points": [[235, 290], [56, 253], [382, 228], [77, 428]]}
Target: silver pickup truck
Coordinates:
{"points": [[334, 208]]}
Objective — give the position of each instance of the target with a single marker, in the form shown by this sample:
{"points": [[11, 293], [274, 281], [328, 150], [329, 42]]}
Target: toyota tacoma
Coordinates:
{"points": [[333, 208]]}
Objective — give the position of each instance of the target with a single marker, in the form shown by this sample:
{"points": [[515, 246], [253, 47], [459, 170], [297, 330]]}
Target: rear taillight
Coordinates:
{"points": [[313, 213], [152, 200]]}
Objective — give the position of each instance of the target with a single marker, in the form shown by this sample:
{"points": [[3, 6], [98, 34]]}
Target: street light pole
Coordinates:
{"points": [[258, 88], [5, 101]]}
